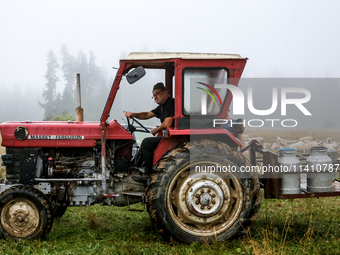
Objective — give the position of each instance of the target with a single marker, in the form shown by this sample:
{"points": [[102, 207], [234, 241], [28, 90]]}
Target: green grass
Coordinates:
{"points": [[300, 226]]}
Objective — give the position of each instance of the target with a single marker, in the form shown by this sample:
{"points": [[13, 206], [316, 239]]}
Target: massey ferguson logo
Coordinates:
{"points": [[56, 137]]}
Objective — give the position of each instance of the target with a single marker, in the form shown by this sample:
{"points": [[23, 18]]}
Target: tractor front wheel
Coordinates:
{"points": [[24, 213]]}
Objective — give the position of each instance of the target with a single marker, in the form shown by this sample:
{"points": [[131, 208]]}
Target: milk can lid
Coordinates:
{"points": [[287, 149], [319, 148]]}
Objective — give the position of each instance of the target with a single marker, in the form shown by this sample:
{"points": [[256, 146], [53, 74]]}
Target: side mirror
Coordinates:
{"points": [[135, 75]]}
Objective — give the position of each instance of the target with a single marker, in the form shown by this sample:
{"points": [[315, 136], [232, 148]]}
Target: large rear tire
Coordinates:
{"points": [[203, 207], [24, 214]]}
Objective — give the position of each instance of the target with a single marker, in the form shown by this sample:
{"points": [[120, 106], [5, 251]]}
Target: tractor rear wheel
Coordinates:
{"points": [[203, 207], [24, 213]]}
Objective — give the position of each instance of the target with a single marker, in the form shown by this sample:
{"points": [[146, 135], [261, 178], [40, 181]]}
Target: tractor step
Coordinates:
{"points": [[138, 194]]}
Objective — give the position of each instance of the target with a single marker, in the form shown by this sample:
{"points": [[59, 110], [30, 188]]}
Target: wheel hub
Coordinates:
{"points": [[204, 204], [204, 198], [20, 217]]}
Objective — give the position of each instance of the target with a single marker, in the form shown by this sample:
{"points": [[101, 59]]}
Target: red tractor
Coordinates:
{"points": [[53, 165]]}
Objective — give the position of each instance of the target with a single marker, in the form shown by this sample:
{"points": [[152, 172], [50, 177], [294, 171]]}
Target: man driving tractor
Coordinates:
{"points": [[165, 112]]}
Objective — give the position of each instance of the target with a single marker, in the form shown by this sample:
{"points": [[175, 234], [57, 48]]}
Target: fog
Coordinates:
{"points": [[282, 39]]}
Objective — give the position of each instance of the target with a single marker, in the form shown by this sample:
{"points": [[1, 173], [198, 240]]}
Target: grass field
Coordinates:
{"points": [[306, 226], [299, 226]]}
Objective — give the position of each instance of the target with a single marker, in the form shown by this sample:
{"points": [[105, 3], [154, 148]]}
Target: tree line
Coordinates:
{"points": [[62, 102]]}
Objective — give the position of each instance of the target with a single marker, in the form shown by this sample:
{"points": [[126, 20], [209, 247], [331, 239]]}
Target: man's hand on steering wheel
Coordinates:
{"points": [[128, 115], [154, 131], [131, 128]]}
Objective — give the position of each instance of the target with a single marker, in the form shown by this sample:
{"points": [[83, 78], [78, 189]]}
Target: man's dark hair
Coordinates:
{"points": [[160, 86]]}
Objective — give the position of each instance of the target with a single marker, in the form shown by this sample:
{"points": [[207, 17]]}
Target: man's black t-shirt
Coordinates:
{"points": [[165, 110], [229, 127]]}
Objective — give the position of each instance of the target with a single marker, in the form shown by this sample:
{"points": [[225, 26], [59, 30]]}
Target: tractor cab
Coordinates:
{"points": [[195, 81]]}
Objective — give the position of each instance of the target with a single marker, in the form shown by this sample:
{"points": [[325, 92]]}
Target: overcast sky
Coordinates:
{"points": [[290, 38]]}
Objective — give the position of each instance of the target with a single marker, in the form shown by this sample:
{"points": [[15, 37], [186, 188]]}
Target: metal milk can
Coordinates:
{"points": [[289, 163], [319, 179], [333, 154]]}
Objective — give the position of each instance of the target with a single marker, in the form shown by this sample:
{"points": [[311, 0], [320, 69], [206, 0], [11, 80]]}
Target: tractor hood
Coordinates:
{"points": [[58, 133]]}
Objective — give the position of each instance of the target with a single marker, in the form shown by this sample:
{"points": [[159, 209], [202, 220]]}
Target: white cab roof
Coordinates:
{"points": [[182, 55]]}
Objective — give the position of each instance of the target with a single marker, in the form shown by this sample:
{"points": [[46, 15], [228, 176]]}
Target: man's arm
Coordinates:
{"points": [[140, 115], [240, 136], [166, 123]]}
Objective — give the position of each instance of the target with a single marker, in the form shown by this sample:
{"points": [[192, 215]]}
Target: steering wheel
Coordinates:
{"points": [[131, 128]]}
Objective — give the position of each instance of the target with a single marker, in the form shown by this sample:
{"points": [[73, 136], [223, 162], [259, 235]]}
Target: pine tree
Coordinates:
{"points": [[95, 73], [95, 89], [58, 104], [49, 94], [94, 86], [83, 70], [69, 73]]}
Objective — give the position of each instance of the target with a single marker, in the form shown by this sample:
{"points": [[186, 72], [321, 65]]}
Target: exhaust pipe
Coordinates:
{"points": [[79, 110]]}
